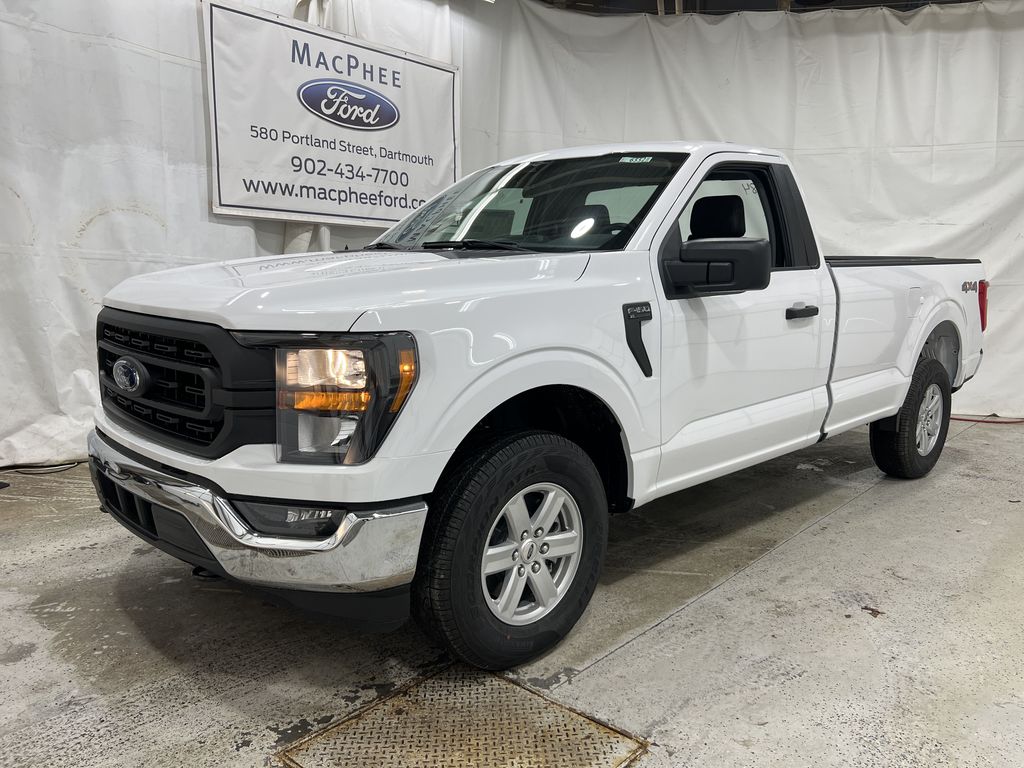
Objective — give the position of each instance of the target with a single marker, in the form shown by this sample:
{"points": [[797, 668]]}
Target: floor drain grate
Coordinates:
{"points": [[463, 718]]}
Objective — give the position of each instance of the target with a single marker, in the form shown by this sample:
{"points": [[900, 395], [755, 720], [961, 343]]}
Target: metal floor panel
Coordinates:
{"points": [[463, 718]]}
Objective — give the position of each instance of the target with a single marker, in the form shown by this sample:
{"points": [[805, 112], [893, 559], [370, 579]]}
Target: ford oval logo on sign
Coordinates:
{"points": [[348, 105]]}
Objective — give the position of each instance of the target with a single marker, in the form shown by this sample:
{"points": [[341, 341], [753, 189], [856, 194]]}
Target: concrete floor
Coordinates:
{"points": [[808, 612]]}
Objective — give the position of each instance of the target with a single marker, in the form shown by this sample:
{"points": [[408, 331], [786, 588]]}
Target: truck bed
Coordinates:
{"points": [[887, 305]]}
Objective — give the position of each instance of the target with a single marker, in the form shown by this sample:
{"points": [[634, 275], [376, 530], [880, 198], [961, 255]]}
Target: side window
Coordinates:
{"points": [[735, 202]]}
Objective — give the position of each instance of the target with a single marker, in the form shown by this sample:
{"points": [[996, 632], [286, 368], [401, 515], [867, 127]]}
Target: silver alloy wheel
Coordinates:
{"points": [[929, 420], [532, 553]]}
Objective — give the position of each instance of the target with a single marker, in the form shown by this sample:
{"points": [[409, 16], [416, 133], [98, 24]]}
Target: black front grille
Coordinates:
{"points": [[201, 431], [206, 393], [174, 386], [157, 345], [180, 374]]}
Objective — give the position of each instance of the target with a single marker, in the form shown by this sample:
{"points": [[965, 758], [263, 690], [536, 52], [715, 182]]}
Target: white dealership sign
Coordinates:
{"points": [[310, 125]]}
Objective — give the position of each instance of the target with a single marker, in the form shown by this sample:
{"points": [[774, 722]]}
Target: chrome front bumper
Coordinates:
{"points": [[372, 550]]}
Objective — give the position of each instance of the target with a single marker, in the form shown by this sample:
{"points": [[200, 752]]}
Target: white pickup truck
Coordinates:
{"points": [[441, 423]]}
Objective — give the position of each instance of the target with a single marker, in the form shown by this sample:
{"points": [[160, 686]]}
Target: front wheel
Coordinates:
{"points": [[513, 550], [908, 444]]}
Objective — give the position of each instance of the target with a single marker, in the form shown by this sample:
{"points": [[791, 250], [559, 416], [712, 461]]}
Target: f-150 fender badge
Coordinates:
{"points": [[348, 105], [969, 286], [633, 315]]}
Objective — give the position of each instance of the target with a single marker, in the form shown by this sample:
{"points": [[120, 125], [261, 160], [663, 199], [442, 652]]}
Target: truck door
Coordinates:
{"points": [[744, 375]]}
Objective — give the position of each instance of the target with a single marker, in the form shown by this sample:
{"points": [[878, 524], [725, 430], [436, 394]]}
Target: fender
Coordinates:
{"points": [[478, 352], [514, 375], [944, 309]]}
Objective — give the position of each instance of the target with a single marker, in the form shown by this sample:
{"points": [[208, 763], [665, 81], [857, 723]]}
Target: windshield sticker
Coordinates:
{"points": [[636, 159]]}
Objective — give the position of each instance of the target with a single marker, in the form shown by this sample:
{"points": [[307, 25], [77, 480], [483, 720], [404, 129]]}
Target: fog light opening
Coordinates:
{"points": [[290, 520]]}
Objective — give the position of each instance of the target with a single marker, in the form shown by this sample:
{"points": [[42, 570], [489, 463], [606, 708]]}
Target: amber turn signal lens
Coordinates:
{"points": [[406, 376], [330, 401]]}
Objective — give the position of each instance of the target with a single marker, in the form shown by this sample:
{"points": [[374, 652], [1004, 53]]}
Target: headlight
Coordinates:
{"points": [[337, 394], [326, 367]]}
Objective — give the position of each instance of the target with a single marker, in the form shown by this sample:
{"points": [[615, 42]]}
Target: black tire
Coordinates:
{"points": [[449, 599], [894, 444]]}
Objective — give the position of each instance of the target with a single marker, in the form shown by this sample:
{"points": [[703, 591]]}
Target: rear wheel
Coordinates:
{"points": [[908, 444], [513, 550]]}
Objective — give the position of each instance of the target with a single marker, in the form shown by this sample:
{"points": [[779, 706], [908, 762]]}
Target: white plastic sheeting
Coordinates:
{"points": [[103, 175], [907, 132]]}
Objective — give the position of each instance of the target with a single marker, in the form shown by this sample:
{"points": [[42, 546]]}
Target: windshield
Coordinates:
{"points": [[575, 204]]}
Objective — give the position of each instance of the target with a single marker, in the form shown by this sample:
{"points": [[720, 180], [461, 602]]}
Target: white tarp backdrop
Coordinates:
{"points": [[907, 132]]}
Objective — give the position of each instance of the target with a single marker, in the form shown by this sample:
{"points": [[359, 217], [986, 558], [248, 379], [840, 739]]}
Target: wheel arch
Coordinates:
{"points": [[943, 343], [941, 338], [572, 411]]}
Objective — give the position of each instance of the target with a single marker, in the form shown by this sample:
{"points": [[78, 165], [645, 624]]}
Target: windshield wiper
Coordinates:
{"points": [[475, 245], [383, 245]]}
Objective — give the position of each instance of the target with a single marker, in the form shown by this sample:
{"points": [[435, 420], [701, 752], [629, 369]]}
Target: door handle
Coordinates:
{"points": [[797, 311]]}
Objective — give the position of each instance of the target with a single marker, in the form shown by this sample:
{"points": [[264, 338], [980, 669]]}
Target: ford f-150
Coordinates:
{"points": [[441, 423]]}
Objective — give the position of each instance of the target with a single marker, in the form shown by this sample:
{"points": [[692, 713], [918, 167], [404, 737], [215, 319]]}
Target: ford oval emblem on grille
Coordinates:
{"points": [[348, 105], [130, 376]]}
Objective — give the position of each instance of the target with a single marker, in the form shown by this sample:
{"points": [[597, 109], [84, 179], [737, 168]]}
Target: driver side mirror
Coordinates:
{"points": [[726, 265]]}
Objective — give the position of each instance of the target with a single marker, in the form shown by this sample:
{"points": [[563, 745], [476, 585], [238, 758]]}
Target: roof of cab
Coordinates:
{"points": [[703, 148]]}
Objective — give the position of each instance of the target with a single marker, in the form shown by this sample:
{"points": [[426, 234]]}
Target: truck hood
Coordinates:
{"points": [[329, 291]]}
